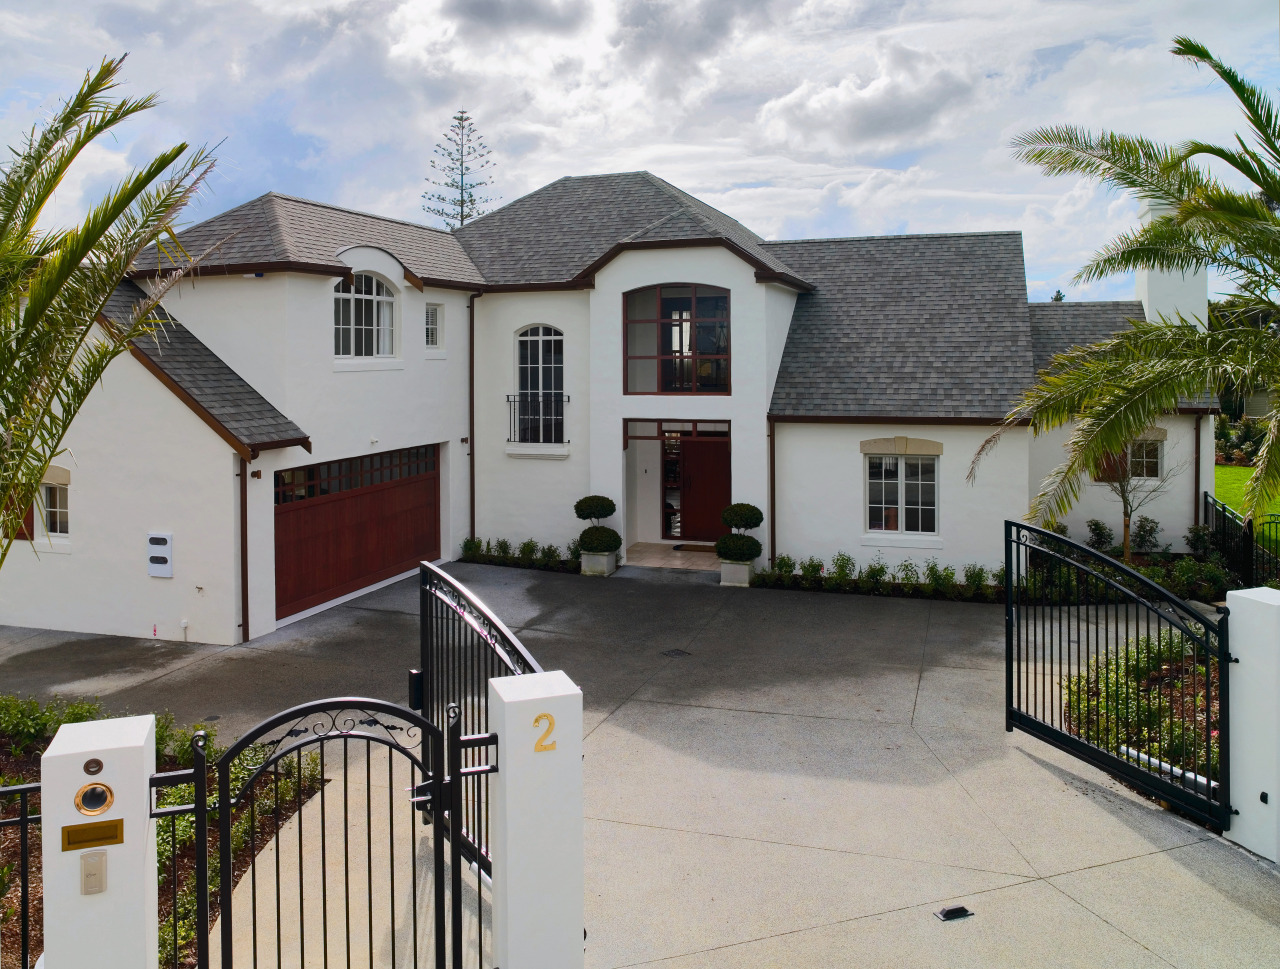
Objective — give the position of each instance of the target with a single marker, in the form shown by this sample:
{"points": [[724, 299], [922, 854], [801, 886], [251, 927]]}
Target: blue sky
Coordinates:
{"points": [[800, 119]]}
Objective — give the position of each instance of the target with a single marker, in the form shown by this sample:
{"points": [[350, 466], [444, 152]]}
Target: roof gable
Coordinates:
{"points": [[203, 381]]}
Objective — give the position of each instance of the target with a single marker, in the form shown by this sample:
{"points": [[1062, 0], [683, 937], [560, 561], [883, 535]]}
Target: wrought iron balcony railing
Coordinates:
{"points": [[536, 417]]}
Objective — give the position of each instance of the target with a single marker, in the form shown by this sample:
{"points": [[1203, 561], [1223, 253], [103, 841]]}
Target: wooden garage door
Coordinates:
{"points": [[343, 525]]}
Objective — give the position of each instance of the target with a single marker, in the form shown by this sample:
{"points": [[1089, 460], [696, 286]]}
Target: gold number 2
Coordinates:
{"points": [[542, 743]]}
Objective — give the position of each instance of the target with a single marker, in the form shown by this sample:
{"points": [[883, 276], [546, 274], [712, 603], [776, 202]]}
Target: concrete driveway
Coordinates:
{"points": [[806, 786]]}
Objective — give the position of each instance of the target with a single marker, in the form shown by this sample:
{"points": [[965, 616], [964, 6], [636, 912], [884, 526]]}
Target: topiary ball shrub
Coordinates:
{"points": [[599, 539], [594, 507], [741, 516], [737, 547]]}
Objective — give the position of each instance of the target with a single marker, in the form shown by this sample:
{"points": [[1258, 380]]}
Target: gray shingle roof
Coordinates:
{"points": [[280, 231], [219, 390], [924, 326], [559, 232], [1059, 326]]}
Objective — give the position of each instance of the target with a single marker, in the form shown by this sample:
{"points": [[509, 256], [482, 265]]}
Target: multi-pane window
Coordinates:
{"points": [[433, 326], [902, 494], [537, 415], [55, 510], [1144, 459], [363, 318], [332, 477], [676, 340]]}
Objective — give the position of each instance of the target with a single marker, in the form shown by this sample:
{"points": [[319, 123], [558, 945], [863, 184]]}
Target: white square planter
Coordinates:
{"points": [[736, 574], [599, 563]]}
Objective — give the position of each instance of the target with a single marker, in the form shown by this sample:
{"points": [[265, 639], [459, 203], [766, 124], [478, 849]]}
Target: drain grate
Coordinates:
{"points": [[674, 653]]}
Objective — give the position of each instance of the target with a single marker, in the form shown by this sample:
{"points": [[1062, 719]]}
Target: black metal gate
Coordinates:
{"points": [[1118, 671]]}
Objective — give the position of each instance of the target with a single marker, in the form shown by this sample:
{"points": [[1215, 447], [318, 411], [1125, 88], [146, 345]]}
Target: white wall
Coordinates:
{"points": [[140, 461], [519, 496], [644, 491], [1175, 509], [821, 494], [1169, 294]]}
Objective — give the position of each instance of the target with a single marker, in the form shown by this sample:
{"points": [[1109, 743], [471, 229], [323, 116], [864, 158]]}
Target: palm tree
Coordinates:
{"points": [[55, 343], [1112, 391]]}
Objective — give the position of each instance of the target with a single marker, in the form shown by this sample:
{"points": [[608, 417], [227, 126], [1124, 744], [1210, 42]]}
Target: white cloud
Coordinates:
{"points": [[798, 117]]}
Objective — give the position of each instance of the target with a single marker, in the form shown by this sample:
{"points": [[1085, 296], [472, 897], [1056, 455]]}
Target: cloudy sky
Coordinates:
{"points": [[801, 119]]}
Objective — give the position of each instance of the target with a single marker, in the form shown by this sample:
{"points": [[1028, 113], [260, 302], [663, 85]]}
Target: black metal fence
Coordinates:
{"points": [[1112, 668], [19, 841], [1251, 548], [536, 418], [463, 646]]}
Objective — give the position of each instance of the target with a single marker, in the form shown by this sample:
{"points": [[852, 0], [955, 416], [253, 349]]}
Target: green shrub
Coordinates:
{"points": [[594, 507], [737, 547], [528, 551], [975, 578], [502, 548], [28, 723], [1199, 540], [875, 577], [784, 565], [811, 572], [939, 580], [575, 550], [472, 549], [741, 516], [1145, 536], [843, 567], [906, 573], [1101, 538], [549, 555], [599, 538], [1058, 528]]}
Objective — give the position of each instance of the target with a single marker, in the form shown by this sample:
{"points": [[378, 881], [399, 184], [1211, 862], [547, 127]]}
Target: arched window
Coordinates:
{"points": [[537, 413], [676, 340], [363, 318]]}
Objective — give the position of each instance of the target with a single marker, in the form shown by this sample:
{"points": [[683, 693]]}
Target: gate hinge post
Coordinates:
{"points": [[415, 690]]}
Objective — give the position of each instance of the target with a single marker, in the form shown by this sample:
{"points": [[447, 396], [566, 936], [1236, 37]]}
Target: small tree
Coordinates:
{"points": [[1059, 296], [460, 160], [595, 537], [1116, 471], [738, 546]]}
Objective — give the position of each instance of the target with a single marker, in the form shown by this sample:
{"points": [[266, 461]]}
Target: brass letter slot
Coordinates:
{"points": [[95, 834]]}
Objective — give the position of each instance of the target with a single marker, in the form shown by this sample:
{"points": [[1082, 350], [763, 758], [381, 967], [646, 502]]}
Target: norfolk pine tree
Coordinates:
{"points": [[459, 163]]}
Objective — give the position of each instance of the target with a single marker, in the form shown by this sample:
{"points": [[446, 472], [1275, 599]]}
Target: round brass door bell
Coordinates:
{"points": [[93, 799]]}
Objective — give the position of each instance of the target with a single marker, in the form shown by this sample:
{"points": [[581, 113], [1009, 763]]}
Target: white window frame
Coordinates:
{"points": [[1159, 458], [433, 329], [901, 485], [382, 339]]}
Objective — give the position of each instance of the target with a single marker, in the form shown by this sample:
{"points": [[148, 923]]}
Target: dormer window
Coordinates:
{"points": [[363, 318]]}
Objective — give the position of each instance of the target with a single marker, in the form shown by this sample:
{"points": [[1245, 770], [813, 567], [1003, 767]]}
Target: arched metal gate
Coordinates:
{"points": [[327, 843]]}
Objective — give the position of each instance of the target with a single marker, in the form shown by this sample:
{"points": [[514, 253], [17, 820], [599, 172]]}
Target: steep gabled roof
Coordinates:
{"points": [[200, 378], [923, 327], [563, 232], [280, 232], [1056, 327]]}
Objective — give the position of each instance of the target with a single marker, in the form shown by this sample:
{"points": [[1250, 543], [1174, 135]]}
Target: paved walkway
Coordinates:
{"points": [[806, 786]]}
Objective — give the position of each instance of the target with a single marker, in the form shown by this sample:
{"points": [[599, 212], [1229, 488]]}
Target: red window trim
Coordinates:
{"points": [[693, 357]]}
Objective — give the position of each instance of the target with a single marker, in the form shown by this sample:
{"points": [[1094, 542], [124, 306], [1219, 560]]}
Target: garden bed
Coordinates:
{"points": [[526, 555]]}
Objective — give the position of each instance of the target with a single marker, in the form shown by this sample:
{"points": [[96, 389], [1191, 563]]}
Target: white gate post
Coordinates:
{"points": [[98, 845], [538, 880], [1254, 720]]}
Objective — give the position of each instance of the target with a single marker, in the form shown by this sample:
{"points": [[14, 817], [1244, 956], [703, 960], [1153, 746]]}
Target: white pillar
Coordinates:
{"points": [[1170, 294], [1254, 720], [538, 912], [99, 846]]}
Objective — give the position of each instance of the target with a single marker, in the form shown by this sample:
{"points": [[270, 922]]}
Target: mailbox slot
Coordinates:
{"points": [[95, 834]]}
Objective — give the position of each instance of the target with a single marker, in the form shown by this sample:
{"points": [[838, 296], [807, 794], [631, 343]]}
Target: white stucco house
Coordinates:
{"points": [[336, 396]]}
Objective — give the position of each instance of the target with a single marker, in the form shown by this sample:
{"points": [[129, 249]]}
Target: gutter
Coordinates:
{"points": [[471, 405], [244, 550], [773, 501]]}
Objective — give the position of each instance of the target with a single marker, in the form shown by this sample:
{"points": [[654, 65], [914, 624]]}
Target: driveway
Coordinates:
{"points": [[806, 785]]}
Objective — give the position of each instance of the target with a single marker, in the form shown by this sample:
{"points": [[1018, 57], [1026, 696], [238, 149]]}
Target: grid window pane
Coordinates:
{"points": [[1144, 459], [687, 328], [920, 494], [902, 494], [55, 506]]}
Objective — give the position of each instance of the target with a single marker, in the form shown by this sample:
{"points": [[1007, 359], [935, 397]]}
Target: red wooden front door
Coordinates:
{"points": [[334, 544], [704, 489]]}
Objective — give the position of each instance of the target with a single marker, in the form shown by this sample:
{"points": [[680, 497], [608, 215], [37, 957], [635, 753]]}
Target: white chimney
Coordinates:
{"points": [[1170, 294]]}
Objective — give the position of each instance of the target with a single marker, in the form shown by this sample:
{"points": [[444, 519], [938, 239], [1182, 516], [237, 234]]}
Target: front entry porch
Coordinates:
{"points": [[678, 482], [661, 555]]}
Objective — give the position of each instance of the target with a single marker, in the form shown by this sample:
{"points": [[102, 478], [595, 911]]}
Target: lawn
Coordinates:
{"points": [[1228, 483]]}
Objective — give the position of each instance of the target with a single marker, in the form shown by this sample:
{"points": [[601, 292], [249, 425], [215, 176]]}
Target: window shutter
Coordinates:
{"points": [[27, 529]]}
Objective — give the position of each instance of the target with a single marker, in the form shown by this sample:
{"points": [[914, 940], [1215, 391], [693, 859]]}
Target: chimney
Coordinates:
{"points": [[1170, 294]]}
